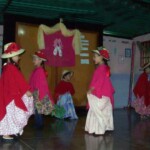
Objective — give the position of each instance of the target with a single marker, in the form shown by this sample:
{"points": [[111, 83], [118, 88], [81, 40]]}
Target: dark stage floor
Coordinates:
{"points": [[130, 133]]}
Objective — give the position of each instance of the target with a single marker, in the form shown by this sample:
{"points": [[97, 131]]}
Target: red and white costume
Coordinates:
{"points": [[142, 93], [16, 107]]}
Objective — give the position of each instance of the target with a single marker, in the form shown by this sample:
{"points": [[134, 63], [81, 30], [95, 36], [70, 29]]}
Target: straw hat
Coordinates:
{"points": [[11, 50], [146, 65], [103, 52], [66, 72], [41, 55]]}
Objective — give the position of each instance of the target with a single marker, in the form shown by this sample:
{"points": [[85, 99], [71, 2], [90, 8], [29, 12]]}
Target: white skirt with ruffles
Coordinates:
{"points": [[100, 115], [16, 119]]}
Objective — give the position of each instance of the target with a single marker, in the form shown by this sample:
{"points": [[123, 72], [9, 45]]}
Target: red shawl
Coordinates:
{"points": [[64, 87], [102, 84], [142, 88], [38, 82], [12, 87]]}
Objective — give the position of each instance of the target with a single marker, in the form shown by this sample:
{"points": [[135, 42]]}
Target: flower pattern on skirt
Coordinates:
{"points": [[140, 107], [43, 106], [16, 119]]}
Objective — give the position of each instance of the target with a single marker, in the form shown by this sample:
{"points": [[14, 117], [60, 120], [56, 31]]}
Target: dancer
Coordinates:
{"points": [[43, 101], [40, 89], [100, 96], [142, 93], [63, 94], [16, 101]]}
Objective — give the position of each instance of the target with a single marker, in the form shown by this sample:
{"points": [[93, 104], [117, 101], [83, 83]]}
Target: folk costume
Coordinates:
{"points": [[43, 101], [100, 114], [15, 106], [63, 95], [142, 93]]}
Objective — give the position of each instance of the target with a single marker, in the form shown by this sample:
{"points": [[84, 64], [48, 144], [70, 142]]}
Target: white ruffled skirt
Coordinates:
{"points": [[100, 115], [16, 119]]}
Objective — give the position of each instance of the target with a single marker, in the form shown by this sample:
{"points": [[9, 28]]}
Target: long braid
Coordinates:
{"points": [[105, 61], [108, 68], [43, 66]]}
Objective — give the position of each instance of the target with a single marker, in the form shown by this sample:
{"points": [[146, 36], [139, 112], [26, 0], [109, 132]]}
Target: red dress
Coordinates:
{"points": [[142, 88], [16, 107], [62, 88], [13, 86]]}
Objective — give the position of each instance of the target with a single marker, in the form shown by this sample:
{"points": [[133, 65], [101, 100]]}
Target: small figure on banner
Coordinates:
{"points": [[58, 47]]}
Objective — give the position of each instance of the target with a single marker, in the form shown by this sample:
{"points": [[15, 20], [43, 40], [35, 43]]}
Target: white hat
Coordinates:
{"points": [[65, 72], [11, 50], [146, 65], [103, 52]]}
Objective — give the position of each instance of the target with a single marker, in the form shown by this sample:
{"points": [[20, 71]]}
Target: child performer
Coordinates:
{"points": [[16, 102], [100, 96], [40, 89], [142, 92], [63, 94]]}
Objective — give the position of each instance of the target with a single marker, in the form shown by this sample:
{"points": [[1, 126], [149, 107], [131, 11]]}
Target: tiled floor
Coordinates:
{"points": [[130, 133]]}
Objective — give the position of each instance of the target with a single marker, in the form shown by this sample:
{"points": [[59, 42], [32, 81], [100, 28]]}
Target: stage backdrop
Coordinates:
{"points": [[26, 37]]}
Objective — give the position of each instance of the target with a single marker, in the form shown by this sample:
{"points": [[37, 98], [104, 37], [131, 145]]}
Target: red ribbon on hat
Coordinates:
{"points": [[104, 53], [40, 54], [12, 48]]}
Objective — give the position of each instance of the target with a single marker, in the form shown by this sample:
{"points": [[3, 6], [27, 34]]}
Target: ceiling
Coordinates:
{"points": [[122, 18]]}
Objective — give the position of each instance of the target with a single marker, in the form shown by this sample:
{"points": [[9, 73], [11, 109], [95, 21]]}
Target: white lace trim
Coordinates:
{"points": [[15, 118]]}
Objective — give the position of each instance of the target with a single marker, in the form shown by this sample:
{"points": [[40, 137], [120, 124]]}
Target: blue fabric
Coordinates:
{"points": [[67, 102], [38, 119]]}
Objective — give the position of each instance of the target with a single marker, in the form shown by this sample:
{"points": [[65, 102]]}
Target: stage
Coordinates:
{"points": [[131, 133]]}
